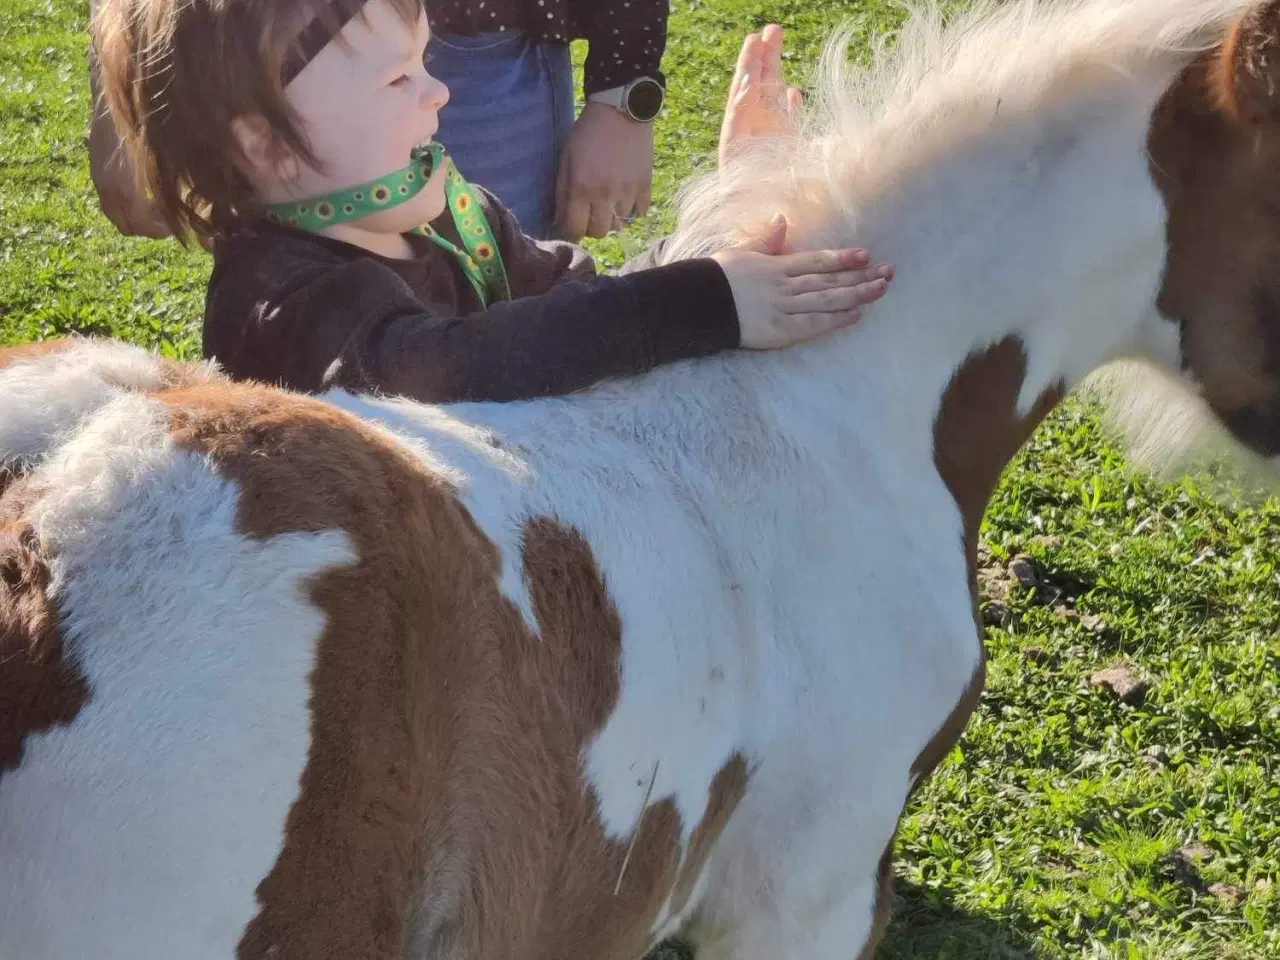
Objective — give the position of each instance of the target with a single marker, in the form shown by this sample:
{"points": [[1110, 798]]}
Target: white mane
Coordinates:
{"points": [[943, 79]]}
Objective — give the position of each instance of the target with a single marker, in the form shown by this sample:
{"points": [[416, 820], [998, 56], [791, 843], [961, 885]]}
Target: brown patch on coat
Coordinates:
{"points": [[977, 432], [1214, 147], [33, 351], [41, 685], [727, 790], [444, 804]]}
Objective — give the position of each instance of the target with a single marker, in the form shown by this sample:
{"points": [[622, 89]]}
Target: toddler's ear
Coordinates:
{"points": [[267, 157]]}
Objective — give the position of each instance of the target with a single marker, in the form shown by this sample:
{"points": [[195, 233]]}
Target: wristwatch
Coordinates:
{"points": [[641, 99]]}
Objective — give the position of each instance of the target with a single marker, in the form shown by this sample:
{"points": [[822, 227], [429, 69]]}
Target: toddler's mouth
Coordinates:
{"points": [[428, 153]]}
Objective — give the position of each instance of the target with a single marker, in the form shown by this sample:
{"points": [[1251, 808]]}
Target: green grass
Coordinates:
{"points": [[1054, 830]]}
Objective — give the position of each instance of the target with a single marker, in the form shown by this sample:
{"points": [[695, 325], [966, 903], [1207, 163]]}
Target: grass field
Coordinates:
{"points": [[1070, 822]]}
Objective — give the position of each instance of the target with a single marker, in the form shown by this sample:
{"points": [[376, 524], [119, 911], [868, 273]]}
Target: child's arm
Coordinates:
{"points": [[288, 311], [358, 325]]}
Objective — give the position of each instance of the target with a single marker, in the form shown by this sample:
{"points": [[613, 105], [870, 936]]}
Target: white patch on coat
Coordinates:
{"points": [[141, 830], [46, 396]]}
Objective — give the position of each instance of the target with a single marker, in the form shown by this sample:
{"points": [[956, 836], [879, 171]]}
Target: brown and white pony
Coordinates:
{"points": [[347, 677]]}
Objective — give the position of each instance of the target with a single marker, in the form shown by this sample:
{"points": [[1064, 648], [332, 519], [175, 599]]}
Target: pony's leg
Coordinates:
{"points": [[820, 900]]}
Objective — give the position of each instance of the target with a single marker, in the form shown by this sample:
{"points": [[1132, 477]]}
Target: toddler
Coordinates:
{"points": [[295, 139]]}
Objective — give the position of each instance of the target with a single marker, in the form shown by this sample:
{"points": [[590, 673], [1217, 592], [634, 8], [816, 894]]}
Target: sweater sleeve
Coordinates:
{"points": [[359, 326], [625, 40]]}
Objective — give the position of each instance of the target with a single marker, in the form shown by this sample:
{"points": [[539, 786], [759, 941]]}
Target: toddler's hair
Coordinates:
{"points": [[176, 73]]}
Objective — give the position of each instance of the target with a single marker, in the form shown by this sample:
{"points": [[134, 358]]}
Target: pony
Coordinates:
{"points": [[288, 676]]}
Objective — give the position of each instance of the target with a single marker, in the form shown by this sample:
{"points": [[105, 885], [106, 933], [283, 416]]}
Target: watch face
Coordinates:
{"points": [[644, 99]]}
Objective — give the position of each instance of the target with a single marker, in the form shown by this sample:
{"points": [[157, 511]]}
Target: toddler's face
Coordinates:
{"points": [[365, 103]]}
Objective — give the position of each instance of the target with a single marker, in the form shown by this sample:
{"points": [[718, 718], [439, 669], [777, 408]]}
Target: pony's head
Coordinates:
{"points": [[1215, 156]]}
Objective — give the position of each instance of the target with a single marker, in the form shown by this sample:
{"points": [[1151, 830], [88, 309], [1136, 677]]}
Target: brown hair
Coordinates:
{"points": [[176, 73]]}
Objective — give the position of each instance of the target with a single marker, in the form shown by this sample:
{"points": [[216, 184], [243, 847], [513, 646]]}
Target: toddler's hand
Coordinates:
{"points": [[784, 298]]}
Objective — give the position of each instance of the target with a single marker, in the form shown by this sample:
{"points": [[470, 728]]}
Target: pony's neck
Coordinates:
{"points": [[1025, 258]]}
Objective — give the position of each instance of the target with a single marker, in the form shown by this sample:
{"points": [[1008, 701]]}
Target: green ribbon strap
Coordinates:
{"points": [[480, 258]]}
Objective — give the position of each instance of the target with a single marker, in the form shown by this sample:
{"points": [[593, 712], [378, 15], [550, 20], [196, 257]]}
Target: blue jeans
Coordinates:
{"points": [[510, 109]]}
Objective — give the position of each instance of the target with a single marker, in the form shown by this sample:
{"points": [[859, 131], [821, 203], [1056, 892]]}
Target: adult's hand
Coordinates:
{"points": [[760, 103], [606, 172]]}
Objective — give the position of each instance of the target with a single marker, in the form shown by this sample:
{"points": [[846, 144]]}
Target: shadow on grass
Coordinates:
{"points": [[926, 925]]}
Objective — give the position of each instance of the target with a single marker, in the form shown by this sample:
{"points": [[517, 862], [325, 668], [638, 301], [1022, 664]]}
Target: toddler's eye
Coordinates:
{"points": [[400, 81]]}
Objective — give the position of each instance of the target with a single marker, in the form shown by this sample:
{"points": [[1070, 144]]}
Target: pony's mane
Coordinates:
{"points": [[942, 78]]}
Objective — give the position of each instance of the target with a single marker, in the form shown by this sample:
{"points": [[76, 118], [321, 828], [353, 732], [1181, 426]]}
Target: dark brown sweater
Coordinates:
{"points": [[310, 313]]}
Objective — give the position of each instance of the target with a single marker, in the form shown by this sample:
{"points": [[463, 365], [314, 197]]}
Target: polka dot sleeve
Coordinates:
{"points": [[626, 40]]}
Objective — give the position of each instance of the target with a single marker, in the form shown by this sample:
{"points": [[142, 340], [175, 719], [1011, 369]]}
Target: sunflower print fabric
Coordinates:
{"points": [[480, 260]]}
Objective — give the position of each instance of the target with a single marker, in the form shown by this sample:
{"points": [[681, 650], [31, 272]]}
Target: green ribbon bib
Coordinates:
{"points": [[480, 258]]}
